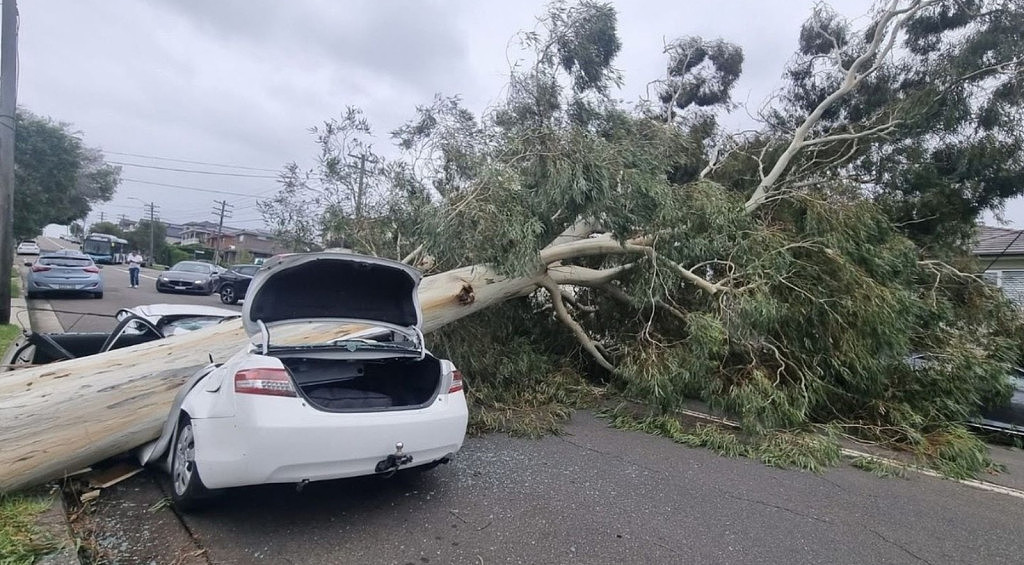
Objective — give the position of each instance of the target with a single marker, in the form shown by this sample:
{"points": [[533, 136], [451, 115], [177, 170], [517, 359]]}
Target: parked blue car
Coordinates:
{"points": [[64, 272]]}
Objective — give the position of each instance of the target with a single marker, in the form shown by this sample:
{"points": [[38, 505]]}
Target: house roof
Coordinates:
{"points": [[991, 240]]}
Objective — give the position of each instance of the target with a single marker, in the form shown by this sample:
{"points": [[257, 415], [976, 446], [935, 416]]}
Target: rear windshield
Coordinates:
{"points": [[66, 261]]}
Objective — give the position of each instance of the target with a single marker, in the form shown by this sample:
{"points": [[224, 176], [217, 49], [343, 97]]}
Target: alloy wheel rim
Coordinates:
{"points": [[184, 455]]}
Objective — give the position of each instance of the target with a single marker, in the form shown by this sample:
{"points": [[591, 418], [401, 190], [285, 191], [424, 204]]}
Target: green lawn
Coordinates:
{"points": [[21, 542]]}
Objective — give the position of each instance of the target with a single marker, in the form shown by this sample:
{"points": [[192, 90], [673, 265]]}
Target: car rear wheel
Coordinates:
{"points": [[97, 295], [31, 294], [187, 490], [227, 294]]}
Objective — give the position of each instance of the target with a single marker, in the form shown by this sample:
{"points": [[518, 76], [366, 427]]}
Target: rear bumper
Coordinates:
{"points": [[289, 442], [71, 285]]}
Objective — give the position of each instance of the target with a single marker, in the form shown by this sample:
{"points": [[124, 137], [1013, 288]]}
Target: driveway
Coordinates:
{"points": [[594, 495]]}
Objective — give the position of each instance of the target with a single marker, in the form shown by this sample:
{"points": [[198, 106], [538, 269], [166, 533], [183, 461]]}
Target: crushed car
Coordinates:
{"points": [[299, 404]]}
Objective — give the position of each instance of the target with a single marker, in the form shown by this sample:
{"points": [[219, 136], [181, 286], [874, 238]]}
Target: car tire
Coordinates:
{"points": [[31, 295], [160, 290], [97, 295], [187, 490], [228, 295]]}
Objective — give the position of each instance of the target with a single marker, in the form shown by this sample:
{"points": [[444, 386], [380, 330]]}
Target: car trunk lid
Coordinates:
{"points": [[331, 288]]}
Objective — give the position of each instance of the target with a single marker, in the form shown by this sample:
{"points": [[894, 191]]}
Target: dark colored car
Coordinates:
{"points": [[234, 282], [1008, 418], [190, 276]]}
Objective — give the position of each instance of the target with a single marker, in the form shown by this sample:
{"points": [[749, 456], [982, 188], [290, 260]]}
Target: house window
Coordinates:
{"points": [[1011, 281], [241, 238]]}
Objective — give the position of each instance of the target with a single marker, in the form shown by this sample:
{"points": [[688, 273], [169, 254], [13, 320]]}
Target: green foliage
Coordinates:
{"points": [[952, 92], [57, 177], [517, 377], [140, 237], [170, 255], [9, 332], [956, 453], [879, 467], [21, 542], [108, 228], [807, 452]]}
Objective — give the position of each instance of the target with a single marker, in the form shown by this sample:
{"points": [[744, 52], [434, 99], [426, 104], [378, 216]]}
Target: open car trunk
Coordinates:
{"points": [[337, 385]]}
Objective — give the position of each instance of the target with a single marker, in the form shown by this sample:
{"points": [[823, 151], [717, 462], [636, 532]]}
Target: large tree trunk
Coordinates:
{"points": [[58, 418]]}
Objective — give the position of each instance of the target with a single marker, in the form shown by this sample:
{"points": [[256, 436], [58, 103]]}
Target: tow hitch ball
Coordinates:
{"points": [[392, 462]]}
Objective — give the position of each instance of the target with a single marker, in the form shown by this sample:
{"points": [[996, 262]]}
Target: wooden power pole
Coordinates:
{"points": [[220, 226], [8, 107], [151, 208]]}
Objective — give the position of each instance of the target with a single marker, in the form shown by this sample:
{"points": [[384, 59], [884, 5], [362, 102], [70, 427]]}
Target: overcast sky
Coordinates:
{"points": [[239, 82]]}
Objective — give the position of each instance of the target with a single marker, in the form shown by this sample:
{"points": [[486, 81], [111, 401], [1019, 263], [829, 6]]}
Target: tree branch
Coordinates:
{"points": [[564, 316], [854, 76]]}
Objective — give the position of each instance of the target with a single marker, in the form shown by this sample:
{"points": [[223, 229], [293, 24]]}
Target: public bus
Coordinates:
{"points": [[104, 248]]}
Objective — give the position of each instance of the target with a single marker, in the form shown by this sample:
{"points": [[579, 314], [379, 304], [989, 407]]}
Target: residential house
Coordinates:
{"points": [[249, 244], [202, 233], [1001, 254], [174, 231]]}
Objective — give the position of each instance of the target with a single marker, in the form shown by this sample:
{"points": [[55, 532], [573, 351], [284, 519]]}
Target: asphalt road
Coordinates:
{"points": [[81, 313], [594, 495]]}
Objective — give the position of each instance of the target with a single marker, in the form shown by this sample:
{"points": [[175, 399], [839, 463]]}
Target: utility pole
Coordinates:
{"points": [[151, 208], [220, 226], [8, 107], [103, 216]]}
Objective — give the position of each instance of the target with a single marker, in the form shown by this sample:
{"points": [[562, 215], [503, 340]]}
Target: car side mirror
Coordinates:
{"points": [[28, 263]]}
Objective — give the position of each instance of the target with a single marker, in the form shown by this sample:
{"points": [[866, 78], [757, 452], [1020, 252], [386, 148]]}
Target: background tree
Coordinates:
{"points": [[921, 110], [57, 178], [108, 228], [139, 238]]}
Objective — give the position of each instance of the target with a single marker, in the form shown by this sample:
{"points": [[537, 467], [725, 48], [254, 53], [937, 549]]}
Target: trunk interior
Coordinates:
{"points": [[379, 384]]}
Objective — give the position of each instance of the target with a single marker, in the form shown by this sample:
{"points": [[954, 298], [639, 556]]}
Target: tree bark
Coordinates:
{"points": [[58, 418]]}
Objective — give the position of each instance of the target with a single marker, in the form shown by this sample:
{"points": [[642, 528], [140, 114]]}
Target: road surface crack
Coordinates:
{"points": [[898, 546], [777, 507]]}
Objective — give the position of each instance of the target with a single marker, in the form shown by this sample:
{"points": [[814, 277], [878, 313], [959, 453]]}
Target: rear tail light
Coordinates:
{"points": [[91, 269], [456, 382], [269, 382], [39, 268]]}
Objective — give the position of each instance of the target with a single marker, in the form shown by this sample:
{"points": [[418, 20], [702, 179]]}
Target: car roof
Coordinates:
{"points": [[64, 255]]}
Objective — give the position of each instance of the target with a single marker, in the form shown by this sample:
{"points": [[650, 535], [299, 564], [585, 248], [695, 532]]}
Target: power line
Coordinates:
{"points": [[210, 190], [193, 171], [243, 167]]}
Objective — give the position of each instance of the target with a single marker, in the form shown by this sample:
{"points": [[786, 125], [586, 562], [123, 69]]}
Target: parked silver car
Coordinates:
{"points": [[64, 272]]}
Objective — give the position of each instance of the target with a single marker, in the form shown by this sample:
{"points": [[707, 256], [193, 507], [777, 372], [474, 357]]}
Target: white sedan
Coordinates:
{"points": [[28, 247], [335, 383]]}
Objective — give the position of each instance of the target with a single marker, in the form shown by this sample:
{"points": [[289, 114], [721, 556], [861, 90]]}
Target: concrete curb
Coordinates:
{"points": [[42, 321]]}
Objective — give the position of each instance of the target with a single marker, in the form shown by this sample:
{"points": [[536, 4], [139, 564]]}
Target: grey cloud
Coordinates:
{"points": [[415, 43]]}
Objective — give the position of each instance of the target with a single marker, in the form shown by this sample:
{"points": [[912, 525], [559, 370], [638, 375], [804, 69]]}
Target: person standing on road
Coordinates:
{"points": [[134, 265]]}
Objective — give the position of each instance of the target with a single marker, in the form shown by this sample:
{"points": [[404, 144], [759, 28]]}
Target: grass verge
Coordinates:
{"points": [[21, 541]]}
